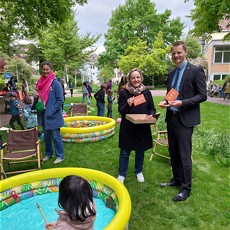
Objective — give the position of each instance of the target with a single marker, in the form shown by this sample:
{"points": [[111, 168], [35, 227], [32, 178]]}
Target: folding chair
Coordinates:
{"points": [[79, 110], [162, 140], [22, 146]]}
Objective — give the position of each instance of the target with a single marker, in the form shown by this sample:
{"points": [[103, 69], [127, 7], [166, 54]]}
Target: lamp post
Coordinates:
{"points": [[16, 64]]}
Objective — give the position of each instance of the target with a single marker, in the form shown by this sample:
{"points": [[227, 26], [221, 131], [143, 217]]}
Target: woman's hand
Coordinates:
{"points": [[130, 101], [149, 116]]}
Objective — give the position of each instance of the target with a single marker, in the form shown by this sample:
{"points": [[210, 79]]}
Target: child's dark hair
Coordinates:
{"points": [[110, 92], [76, 197]]}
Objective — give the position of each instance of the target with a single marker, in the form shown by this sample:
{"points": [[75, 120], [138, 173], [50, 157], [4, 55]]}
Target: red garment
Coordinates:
{"points": [[43, 86]]}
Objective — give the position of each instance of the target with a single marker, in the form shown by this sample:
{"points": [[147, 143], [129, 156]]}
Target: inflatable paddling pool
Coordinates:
{"points": [[18, 188], [87, 128]]}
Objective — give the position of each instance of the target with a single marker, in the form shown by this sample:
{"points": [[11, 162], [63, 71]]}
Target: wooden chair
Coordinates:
{"points": [[79, 110], [22, 146], [162, 140]]}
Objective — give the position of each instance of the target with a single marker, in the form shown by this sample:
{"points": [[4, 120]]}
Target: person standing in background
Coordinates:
{"points": [[100, 100], [181, 117], [89, 88], [121, 85], [110, 99], [25, 87], [71, 87], [109, 85], [13, 84], [85, 94], [51, 94]]}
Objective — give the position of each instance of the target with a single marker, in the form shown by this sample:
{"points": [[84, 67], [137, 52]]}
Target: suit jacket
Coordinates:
{"points": [[192, 92]]}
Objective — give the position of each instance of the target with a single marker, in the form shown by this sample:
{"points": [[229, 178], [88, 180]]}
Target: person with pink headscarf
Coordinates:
{"points": [[50, 92]]}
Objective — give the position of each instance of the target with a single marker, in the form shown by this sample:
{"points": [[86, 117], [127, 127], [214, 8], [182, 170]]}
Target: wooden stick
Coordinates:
{"points": [[43, 216]]}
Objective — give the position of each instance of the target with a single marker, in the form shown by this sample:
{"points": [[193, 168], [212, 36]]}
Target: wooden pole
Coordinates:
{"points": [[43, 216]]}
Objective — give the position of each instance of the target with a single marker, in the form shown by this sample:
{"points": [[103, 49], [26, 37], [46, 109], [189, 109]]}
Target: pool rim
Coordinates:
{"points": [[110, 124]]}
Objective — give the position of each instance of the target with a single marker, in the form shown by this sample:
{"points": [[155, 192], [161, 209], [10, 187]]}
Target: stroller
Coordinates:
{"points": [[215, 90]]}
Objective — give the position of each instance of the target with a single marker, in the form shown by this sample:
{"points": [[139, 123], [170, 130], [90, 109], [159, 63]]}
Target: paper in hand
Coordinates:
{"points": [[139, 100], [171, 95]]}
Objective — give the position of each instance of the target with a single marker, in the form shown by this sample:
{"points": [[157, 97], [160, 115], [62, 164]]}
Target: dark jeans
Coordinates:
{"points": [[100, 109], [18, 119], [71, 92], [53, 137], [124, 162], [110, 111]]}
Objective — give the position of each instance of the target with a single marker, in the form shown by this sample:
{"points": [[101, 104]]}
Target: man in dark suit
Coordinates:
{"points": [[182, 115]]}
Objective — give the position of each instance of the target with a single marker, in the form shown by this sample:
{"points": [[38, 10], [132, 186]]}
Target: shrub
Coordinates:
{"points": [[214, 144]]}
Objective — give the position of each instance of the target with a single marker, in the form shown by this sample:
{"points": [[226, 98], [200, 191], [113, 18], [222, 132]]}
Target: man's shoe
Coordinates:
{"points": [[182, 195], [58, 160], [46, 158], [171, 183], [140, 177], [121, 179]]}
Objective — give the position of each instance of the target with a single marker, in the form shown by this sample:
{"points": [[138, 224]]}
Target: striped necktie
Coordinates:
{"points": [[176, 78]]}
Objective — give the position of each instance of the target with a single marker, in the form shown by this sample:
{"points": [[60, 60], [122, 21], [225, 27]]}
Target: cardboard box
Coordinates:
{"points": [[140, 119]]}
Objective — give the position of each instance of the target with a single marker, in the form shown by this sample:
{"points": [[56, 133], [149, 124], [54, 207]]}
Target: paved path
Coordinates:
{"points": [[4, 118]]}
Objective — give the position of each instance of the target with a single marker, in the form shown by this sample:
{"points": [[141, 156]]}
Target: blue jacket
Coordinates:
{"points": [[15, 108], [52, 117], [30, 117]]}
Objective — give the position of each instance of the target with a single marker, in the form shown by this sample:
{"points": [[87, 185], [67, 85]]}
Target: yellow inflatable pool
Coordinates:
{"points": [[110, 186], [87, 128]]}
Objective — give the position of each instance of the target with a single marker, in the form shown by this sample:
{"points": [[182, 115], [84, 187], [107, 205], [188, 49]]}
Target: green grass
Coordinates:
{"points": [[152, 206]]}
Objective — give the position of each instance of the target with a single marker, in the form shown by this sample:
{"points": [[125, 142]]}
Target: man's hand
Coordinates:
{"points": [[176, 103], [163, 104]]}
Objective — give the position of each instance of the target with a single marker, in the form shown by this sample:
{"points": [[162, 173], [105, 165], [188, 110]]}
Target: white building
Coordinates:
{"points": [[90, 71]]}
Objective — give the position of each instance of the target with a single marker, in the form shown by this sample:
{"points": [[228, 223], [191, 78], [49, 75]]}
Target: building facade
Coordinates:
{"points": [[217, 55]]}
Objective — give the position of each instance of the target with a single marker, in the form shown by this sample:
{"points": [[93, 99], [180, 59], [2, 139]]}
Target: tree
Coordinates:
{"points": [[64, 47], [193, 46], [137, 19], [152, 61], [25, 18], [19, 65], [208, 14], [106, 72]]}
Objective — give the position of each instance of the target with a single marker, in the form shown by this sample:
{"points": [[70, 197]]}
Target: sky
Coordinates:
{"points": [[94, 16]]}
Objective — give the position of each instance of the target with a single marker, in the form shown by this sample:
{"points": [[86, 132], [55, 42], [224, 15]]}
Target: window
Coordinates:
{"points": [[219, 76], [222, 54], [216, 77]]}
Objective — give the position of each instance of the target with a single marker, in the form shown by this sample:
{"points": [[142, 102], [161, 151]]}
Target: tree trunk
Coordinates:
{"points": [[153, 82]]}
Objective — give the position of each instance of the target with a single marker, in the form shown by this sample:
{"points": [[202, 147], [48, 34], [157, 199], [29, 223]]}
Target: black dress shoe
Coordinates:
{"points": [[182, 195], [172, 183]]}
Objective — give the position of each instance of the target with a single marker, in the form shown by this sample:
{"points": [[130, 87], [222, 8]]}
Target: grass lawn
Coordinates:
{"points": [[152, 206]]}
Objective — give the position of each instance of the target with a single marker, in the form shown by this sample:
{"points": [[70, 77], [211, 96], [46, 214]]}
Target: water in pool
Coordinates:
{"points": [[25, 214]]}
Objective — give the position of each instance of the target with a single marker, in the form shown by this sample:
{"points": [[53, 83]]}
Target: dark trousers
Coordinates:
{"points": [[71, 92], [180, 149], [18, 119]]}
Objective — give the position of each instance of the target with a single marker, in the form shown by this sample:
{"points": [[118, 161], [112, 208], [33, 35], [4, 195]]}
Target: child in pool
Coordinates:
{"points": [[76, 199]]}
